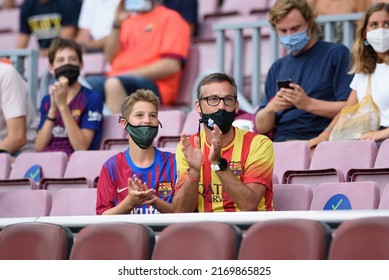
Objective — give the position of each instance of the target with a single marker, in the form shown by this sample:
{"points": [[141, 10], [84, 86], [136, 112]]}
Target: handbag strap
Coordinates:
{"points": [[368, 89]]}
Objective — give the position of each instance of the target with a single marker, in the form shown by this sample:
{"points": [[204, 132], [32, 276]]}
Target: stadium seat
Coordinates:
{"points": [[5, 165], [242, 7], [25, 203], [332, 160], [113, 241], [94, 64], [379, 173], [112, 131], [292, 197], [81, 171], [206, 7], [35, 241], [346, 196], [189, 76], [172, 121], [43, 166], [74, 202], [384, 198], [361, 239], [290, 155], [9, 20], [286, 239], [198, 241]]}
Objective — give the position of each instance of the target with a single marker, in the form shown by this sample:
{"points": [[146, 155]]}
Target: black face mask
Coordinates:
{"points": [[143, 135], [69, 71], [222, 118]]}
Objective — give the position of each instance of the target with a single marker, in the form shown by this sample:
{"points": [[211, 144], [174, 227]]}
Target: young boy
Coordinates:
{"points": [[71, 115], [141, 179]]}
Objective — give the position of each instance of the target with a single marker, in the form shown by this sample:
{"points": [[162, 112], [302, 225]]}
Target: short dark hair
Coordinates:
{"points": [[60, 44], [215, 78]]}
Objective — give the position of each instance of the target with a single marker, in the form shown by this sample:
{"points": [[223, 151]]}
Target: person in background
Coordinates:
{"points": [[222, 168], [17, 112], [188, 9], [371, 57], [95, 23], [46, 20], [141, 179], [319, 82], [71, 115], [147, 48]]}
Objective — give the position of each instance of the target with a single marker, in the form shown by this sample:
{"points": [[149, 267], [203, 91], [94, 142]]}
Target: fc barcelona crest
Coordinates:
{"points": [[165, 189], [236, 167]]}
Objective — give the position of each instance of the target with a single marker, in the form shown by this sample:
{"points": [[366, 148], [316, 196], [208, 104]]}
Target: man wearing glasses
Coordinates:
{"points": [[222, 168]]}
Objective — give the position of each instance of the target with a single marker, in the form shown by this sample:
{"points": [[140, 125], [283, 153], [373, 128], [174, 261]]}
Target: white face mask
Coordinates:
{"points": [[379, 39]]}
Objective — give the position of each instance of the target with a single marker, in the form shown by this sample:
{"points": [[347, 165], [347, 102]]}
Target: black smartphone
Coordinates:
{"points": [[284, 83]]}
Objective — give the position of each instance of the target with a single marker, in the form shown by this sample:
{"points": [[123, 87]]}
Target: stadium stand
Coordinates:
{"points": [[82, 171], [332, 160], [25, 203], [292, 197], [361, 239], [286, 239], [35, 241], [186, 242], [5, 165], [29, 167], [74, 202], [113, 241], [346, 196], [379, 173]]}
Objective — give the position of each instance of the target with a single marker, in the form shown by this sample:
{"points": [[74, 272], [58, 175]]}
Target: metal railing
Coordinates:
{"points": [[256, 39]]}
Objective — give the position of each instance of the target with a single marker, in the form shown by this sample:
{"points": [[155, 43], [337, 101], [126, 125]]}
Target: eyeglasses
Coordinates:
{"points": [[215, 100]]}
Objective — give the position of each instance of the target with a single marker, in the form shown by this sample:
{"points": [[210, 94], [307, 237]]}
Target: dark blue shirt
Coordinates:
{"points": [[45, 20], [322, 72]]}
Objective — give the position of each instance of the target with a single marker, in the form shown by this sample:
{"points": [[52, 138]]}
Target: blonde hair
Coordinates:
{"points": [[364, 57], [139, 95], [281, 8]]}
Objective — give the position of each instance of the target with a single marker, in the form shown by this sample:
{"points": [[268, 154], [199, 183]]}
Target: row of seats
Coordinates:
{"points": [[332, 161], [331, 196], [76, 201], [35, 203], [278, 239]]}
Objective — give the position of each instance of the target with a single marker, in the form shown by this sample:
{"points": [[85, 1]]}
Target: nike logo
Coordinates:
{"points": [[121, 190]]}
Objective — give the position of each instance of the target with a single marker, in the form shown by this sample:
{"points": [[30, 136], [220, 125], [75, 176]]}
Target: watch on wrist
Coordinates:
{"points": [[222, 164]]}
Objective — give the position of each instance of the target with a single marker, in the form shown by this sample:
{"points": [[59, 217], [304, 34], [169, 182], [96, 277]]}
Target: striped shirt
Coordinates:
{"points": [[251, 159], [112, 187]]}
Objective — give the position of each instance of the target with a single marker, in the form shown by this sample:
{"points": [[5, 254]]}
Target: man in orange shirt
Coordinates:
{"points": [[147, 48]]}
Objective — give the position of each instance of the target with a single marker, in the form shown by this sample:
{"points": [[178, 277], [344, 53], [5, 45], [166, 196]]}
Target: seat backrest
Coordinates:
{"points": [[344, 155], [382, 160], [53, 164], [9, 20], [5, 165], [346, 196], [198, 241], [94, 63], [292, 197], [290, 155], [189, 76], [74, 202], [191, 123], [113, 241], [25, 203], [243, 7], [206, 7], [87, 163], [35, 241], [384, 198], [172, 121], [112, 129], [286, 239], [361, 239]]}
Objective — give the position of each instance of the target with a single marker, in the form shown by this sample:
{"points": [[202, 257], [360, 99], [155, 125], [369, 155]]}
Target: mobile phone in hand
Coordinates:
{"points": [[284, 83]]}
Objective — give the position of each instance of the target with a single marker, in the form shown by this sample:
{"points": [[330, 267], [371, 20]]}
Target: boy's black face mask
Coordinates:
{"points": [[69, 71]]}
